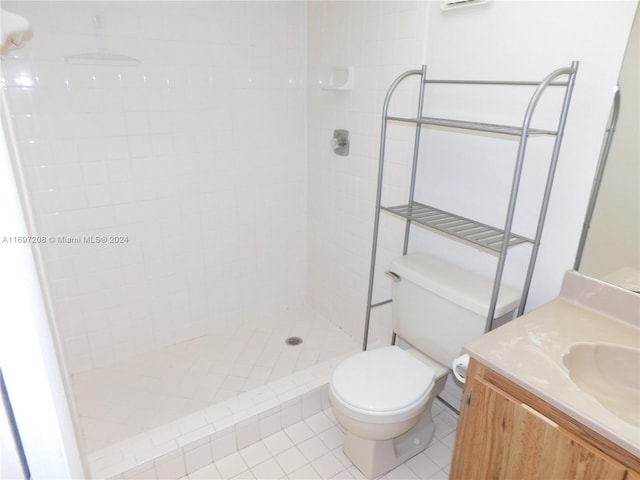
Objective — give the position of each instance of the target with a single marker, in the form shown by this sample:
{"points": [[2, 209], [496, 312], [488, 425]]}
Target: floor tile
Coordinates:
{"points": [[332, 438], [278, 443], [299, 432], [439, 453], [246, 475], [441, 475], [357, 474], [305, 473], [422, 466], [327, 465], [291, 460], [339, 454], [319, 422], [343, 475], [231, 465], [268, 470], [255, 454], [313, 448], [401, 472], [450, 440]]}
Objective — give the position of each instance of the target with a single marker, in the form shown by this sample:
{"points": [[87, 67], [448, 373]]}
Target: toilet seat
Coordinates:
{"points": [[383, 382]]}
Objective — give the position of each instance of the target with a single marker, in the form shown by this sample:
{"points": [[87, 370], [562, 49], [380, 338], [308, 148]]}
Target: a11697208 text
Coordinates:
{"points": [[65, 239]]}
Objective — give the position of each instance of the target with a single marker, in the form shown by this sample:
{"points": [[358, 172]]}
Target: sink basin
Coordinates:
{"points": [[610, 374]]}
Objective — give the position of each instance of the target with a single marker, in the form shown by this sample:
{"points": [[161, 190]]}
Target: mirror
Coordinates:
{"points": [[609, 249]]}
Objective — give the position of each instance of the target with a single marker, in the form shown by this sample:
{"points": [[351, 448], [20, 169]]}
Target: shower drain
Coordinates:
{"points": [[293, 341]]}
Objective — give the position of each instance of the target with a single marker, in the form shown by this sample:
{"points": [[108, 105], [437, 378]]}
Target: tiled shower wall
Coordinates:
{"points": [[381, 40], [196, 158]]}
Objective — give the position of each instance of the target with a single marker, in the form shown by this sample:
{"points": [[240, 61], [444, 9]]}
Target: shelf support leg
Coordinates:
{"points": [[414, 164], [547, 192], [376, 221]]}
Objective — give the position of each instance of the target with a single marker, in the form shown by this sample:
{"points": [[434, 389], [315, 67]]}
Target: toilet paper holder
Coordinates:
{"points": [[460, 366]]}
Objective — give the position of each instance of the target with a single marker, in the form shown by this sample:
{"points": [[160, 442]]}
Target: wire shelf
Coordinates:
{"points": [[476, 233], [477, 126]]}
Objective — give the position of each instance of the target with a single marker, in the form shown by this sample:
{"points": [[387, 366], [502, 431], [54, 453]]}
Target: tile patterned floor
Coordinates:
{"points": [[134, 396], [312, 449]]}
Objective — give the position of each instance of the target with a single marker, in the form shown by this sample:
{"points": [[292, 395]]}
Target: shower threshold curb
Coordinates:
{"points": [[192, 442]]}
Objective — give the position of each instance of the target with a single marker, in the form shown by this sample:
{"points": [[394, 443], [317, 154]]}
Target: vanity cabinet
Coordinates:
{"points": [[506, 432]]}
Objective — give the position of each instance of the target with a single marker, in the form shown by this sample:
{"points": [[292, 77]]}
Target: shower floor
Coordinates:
{"points": [[141, 393]]}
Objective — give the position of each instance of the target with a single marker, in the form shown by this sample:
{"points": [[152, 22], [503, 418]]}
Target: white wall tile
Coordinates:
{"points": [[223, 443], [270, 424], [197, 455], [170, 466], [291, 412], [383, 39], [145, 471], [248, 432], [312, 403]]}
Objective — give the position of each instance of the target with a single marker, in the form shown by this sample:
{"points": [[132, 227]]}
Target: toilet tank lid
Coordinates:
{"points": [[453, 283]]}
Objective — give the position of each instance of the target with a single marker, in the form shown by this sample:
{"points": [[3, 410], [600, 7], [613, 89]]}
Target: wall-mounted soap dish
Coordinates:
{"points": [[340, 78]]}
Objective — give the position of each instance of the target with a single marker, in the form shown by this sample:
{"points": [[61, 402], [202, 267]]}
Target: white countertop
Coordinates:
{"points": [[529, 350]]}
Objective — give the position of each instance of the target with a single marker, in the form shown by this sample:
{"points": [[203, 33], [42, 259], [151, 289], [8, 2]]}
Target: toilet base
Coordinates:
{"points": [[376, 457]]}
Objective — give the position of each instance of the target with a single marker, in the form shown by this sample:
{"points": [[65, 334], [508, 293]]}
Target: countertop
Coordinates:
{"points": [[529, 349]]}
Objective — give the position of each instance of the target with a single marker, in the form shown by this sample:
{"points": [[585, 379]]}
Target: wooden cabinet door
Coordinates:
{"points": [[501, 438]]}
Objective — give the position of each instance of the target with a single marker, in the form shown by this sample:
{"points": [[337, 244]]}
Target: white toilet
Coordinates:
{"points": [[382, 397]]}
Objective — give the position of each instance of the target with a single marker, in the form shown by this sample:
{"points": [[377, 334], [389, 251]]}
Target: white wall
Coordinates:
{"points": [[197, 156], [502, 40], [510, 39]]}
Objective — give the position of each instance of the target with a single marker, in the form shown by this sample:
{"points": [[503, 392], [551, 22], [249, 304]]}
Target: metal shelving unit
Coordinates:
{"points": [[489, 238]]}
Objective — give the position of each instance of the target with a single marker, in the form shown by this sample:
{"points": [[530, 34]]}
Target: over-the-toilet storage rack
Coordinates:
{"points": [[488, 238]]}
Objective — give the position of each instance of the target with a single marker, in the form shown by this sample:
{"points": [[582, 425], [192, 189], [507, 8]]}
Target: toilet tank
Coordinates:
{"points": [[438, 306]]}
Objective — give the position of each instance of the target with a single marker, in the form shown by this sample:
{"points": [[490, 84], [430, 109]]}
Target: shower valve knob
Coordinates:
{"points": [[340, 142]]}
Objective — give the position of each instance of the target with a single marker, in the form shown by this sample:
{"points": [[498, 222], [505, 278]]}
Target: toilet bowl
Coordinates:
{"points": [[382, 398]]}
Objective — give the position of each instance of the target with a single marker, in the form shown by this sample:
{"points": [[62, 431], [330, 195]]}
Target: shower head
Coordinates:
{"points": [[101, 55]]}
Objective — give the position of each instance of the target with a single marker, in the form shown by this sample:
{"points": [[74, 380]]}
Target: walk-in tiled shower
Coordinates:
{"points": [[194, 213]]}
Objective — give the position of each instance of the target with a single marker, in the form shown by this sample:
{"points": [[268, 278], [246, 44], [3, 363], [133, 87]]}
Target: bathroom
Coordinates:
{"points": [[212, 156]]}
